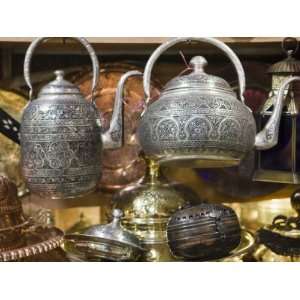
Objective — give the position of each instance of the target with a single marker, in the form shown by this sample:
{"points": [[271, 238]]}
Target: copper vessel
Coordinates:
{"points": [[122, 166], [21, 239], [203, 232], [12, 219]]}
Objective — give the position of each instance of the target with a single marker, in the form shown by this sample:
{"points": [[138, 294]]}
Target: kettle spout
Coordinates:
{"points": [[114, 137], [268, 136]]}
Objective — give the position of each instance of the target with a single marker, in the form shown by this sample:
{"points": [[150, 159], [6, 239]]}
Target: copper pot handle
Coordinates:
{"points": [[222, 46], [83, 41]]}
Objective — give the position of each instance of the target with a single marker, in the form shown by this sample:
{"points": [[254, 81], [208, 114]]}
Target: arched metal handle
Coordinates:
{"points": [[165, 46], [83, 41]]}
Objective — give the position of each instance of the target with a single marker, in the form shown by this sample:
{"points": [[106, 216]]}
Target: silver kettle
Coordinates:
{"points": [[61, 137], [198, 121]]}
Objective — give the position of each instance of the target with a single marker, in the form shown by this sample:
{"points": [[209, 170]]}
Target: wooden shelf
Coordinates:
{"points": [[148, 40], [145, 45]]}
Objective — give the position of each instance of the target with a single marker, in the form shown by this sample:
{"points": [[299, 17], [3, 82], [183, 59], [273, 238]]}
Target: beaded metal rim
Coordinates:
{"points": [[35, 249]]}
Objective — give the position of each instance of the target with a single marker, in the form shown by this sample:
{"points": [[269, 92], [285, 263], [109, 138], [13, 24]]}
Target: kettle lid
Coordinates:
{"points": [[289, 65], [199, 79], [114, 231], [59, 86]]}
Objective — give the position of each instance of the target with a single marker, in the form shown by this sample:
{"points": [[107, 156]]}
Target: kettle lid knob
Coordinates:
{"points": [[59, 74], [198, 63], [117, 213]]}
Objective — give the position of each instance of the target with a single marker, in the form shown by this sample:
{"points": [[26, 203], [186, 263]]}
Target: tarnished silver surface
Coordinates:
{"points": [[61, 138], [198, 121], [105, 242]]}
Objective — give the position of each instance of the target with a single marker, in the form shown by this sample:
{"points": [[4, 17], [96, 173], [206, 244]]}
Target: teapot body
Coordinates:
{"points": [[61, 146], [194, 128]]}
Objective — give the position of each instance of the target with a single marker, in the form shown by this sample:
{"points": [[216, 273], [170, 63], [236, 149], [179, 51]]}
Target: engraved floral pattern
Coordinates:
{"points": [[190, 123]]}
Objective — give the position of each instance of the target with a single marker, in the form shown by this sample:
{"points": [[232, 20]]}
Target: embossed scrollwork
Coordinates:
{"points": [[198, 128]]}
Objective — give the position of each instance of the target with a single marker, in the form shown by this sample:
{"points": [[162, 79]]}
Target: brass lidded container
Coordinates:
{"points": [[147, 207], [281, 163]]}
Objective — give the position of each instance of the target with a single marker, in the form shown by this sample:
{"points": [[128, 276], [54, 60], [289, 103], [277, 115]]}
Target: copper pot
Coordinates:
{"points": [[122, 166]]}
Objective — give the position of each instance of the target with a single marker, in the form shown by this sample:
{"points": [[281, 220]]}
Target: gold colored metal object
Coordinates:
{"points": [[245, 247], [280, 164], [147, 207], [262, 210], [281, 240], [13, 104], [264, 254]]}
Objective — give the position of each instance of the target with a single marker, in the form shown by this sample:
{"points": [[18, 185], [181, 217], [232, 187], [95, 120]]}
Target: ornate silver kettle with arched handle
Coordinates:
{"points": [[61, 136], [198, 121]]}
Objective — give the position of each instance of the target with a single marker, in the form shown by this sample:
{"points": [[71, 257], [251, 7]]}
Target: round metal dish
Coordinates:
{"points": [[110, 242], [245, 247], [35, 241]]}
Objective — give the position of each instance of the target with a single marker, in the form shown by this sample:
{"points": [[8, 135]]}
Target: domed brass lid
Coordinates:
{"points": [[59, 86], [289, 65], [150, 200], [198, 79]]}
